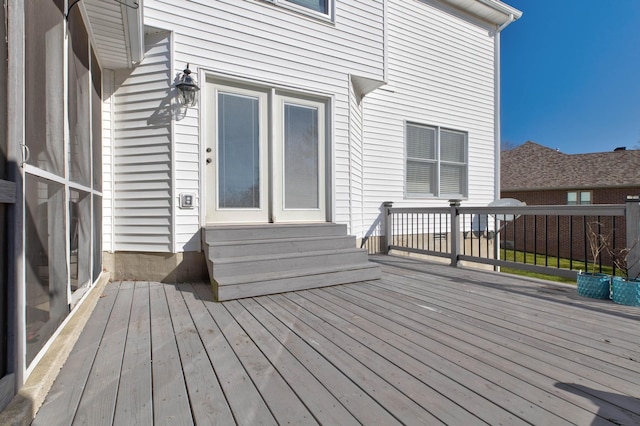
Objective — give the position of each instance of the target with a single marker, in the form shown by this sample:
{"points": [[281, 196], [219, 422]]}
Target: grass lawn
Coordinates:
{"points": [[553, 262]]}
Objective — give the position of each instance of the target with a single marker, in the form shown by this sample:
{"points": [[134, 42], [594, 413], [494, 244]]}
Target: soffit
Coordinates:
{"points": [[117, 31]]}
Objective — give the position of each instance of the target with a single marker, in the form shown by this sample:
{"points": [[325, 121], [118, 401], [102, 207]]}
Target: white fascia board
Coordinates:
{"points": [[493, 11]]}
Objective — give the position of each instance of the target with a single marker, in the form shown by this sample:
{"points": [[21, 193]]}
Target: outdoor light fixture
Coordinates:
{"points": [[187, 89]]}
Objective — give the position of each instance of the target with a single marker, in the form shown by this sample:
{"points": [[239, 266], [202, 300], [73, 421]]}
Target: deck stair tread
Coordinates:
{"points": [[258, 259], [224, 249]]}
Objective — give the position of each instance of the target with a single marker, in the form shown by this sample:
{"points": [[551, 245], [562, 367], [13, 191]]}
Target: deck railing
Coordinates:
{"points": [[551, 240]]}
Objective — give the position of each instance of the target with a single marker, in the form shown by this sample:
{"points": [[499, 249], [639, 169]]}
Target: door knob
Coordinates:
{"points": [[208, 160], [208, 149]]}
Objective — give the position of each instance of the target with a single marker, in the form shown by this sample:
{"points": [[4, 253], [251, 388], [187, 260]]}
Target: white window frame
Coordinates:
{"points": [[438, 162], [287, 4]]}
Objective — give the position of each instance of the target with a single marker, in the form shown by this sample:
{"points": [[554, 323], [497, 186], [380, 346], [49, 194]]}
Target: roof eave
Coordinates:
{"points": [[493, 11], [117, 30]]}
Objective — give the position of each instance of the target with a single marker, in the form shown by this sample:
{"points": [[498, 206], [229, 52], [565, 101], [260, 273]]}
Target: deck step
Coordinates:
{"points": [[226, 249], [252, 260], [286, 261], [253, 285], [271, 231]]}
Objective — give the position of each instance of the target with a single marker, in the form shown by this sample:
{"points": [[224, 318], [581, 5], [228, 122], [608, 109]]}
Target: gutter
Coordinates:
{"points": [[134, 31], [496, 103]]}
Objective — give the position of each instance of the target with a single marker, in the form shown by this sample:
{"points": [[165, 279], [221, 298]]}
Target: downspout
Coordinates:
{"points": [[496, 103]]}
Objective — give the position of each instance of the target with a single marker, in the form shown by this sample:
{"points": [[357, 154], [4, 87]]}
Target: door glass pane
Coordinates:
{"points": [[44, 85], [79, 101], [238, 151], [301, 183], [46, 263], [79, 238]]}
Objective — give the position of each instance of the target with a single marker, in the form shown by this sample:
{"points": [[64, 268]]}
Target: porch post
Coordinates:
{"points": [[455, 231], [386, 224], [633, 235]]}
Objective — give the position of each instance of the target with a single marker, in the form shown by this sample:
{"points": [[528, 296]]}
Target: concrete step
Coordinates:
{"points": [[215, 234], [226, 249], [252, 285], [282, 262]]}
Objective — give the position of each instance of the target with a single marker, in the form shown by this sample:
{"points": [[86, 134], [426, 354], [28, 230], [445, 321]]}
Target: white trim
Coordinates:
{"points": [[16, 295], [172, 151]]}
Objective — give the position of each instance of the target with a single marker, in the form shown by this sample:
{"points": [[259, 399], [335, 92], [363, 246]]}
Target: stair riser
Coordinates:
{"points": [[213, 235], [243, 249], [258, 288], [288, 263]]}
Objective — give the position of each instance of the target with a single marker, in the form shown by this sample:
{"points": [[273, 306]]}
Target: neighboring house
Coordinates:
{"points": [[310, 112], [539, 175]]}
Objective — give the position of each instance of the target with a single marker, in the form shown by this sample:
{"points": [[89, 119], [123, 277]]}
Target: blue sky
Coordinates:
{"points": [[571, 75]]}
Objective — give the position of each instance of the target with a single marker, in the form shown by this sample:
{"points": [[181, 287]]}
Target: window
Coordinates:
{"points": [[436, 162], [578, 197], [321, 6], [311, 7]]}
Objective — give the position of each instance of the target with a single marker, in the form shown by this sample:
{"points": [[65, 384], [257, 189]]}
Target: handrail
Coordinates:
{"points": [[479, 234]]}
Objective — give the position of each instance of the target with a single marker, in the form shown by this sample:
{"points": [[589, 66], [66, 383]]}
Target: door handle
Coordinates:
{"points": [[208, 149], [208, 160]]}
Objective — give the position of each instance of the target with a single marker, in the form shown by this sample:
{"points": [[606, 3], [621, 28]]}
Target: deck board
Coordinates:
{"points": [[134, 402], [426, 344], [170, 399], [244, 399], [64, 396], [98, 401], [208, 403]]}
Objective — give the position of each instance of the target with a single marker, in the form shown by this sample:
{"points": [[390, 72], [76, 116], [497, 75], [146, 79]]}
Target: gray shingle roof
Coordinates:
{"points": [[532, 166]]}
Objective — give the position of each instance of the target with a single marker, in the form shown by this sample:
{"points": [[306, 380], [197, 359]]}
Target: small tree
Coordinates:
{"points": [[621, 259], [598, 242]]}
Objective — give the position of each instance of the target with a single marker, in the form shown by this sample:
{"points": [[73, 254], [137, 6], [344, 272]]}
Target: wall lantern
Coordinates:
{"points": [[187, 89]]}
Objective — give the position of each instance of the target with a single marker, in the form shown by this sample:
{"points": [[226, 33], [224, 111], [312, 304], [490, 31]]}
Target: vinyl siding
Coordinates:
{"points": [[441, 73], [142, 158]]}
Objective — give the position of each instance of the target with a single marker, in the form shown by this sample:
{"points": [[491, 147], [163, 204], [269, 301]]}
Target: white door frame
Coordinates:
{"points": [[275, 97]]}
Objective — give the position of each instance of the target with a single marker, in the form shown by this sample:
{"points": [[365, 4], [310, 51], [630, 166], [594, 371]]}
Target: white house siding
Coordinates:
{"points": [[276, 47], [441, 73], [142, 160]]}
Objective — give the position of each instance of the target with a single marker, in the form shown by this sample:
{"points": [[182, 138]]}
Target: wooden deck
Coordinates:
{"points": [[426, 344]]}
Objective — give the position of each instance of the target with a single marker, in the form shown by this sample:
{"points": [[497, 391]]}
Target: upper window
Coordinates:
{"points": [[436, 162], [578, 197], [312, 7], [321, 6]]}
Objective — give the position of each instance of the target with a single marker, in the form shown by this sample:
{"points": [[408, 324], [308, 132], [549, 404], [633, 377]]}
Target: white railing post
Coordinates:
{"points": [[632, 218], [455, 231], [387, 224]]}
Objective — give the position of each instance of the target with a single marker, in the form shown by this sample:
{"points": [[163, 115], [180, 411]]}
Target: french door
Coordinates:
{"points": [[264, 156]]}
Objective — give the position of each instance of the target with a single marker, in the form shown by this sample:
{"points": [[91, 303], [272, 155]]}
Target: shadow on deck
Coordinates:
{"points": [[426, 344]]}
